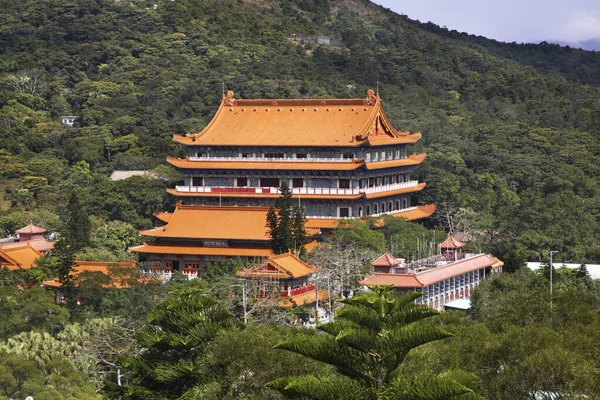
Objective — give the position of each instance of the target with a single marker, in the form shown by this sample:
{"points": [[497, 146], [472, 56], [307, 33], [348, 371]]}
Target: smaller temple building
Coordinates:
{"points": [[451, 248], [286, 279], [439, 279], [18, 256]]}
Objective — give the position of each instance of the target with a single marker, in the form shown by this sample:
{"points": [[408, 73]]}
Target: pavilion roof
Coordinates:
{"points": [[431, 276], [451, 243], [386, 260], [282, 266], [22, 256], [31, 229], [299, 122]]}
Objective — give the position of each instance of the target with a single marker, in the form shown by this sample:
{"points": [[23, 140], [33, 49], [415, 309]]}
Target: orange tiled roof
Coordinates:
{"points": [[351, 165], [153, 248], [386, 260], [433, 275], [282, 266], [304, 298], [103, 267], [451, 243], [206, 222], [38, 244], [16, 257], [163, 216], [31, 229], [301, 122], [411, 215]]}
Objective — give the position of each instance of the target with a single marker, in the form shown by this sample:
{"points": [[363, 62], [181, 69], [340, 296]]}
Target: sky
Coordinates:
{"points": [[568, 21]]}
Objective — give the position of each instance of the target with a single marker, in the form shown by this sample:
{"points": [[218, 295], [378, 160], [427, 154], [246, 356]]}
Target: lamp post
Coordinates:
{"points": [[552, 252]]}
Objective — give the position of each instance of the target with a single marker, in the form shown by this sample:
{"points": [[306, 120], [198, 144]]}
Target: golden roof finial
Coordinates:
{"points": [[229, 99]]}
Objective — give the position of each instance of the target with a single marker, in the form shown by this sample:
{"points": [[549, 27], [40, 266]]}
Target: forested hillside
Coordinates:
{"points": [[512, 131]]}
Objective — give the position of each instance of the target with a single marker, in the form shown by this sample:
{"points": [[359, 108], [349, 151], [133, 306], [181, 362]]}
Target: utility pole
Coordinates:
{"points": [[552, 252]]}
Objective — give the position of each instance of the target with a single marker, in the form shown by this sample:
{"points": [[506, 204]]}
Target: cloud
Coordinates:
{"points": [[581, 25]]}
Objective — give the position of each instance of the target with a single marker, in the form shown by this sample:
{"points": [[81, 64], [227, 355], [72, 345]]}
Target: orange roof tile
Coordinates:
{"points": [[282, 266], [38, 244], [206, 222], [433, 275], [412, 159], [386, 260], [31, 229], [351, 165], [451, 243], [303, 122], [163, 216], [16, 257], [103, 267], [303, 299], [410, 215], [153, 248]]}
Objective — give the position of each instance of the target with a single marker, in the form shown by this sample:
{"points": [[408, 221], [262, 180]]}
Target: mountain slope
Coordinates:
{"points": [[512, 131]]}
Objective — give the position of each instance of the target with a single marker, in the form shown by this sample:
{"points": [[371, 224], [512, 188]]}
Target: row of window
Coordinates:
{"points": [[343, 183], [379, 155]]}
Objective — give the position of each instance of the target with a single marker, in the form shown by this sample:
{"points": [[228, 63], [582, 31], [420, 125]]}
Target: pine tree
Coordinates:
{"points": [[77, 224], [366, 344], [286, 223], [174, 342]]}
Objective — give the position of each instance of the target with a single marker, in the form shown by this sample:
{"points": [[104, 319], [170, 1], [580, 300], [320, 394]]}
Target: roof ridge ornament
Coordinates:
{"points": [[372, 98], [229, 99]]}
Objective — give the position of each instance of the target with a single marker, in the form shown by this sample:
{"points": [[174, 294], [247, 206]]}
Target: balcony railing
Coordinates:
{"points": [[299, 191], [259, 159]]}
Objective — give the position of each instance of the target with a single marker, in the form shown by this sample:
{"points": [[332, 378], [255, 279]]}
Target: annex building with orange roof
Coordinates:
{"points": [[285, 279], [341, 158], [439, 278]]}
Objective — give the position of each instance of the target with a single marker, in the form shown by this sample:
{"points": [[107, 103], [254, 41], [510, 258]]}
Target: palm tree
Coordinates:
{"points": [[366, 344]]}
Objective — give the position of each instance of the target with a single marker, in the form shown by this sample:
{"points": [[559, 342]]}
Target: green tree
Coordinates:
{"points": [[366, 344], [173, 343], [286, 223]]}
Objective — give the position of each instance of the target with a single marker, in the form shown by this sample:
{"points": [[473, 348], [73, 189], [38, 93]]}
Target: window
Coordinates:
{"points": [[368, 210], [382, 207], [397, 205], [240, 182], [390, 204], [383, 155], [344, 183], [297, 182], [190, 264], [169, 264], [273, 155], [368, 156], [400, 178], [386, 180], [390, 155], [269, 182], [348, 155], [374, 208], [197, 181], [360, 211], [394, 178], [404, 203], [397, 153], [344, 212], [247, 155], [201, 155], [301, 155], [371, 182], [362, 183]]}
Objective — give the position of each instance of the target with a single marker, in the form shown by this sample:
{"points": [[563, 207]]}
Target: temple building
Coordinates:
{"points": [[341, 158], [18, 256], [441, 281], [286, 279]]}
